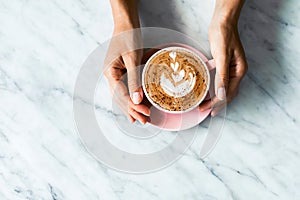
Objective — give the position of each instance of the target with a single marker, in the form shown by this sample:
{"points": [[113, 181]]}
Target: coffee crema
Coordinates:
{"points": [[175, 79]]}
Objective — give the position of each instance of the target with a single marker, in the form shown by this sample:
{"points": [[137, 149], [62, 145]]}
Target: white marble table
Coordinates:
{"points": [[42, 47]]}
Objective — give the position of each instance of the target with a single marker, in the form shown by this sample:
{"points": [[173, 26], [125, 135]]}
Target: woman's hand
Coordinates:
{"points": [[123, 59], [127, 99], [228, 53]]}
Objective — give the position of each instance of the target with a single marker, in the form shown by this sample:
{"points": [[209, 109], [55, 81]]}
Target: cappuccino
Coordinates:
{"points": [[175, 79]]}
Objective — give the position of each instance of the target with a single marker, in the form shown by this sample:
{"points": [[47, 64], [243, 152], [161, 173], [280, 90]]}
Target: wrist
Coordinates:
{"points": [[125, 23], [227, 12], [125, 15]]}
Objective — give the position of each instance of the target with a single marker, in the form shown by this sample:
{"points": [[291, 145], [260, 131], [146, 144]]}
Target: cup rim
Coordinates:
{"points": [[194, 54]]}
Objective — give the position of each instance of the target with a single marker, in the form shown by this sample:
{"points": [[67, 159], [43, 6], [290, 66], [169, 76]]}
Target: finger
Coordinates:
{"points": [[241, 67], [222, 74], [141, 108], [115, 70], [131, 119], [120, 96], [205, 105], [124, 102], [142, 118], [119, 91], [217, 105], [211, 103], [217, 110], [237, 73], [232, 92], [233, 89], [134, 86]]}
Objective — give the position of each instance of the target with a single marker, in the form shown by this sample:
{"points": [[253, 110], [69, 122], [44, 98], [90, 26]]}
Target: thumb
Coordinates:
{"points": [[222, 76], [133, 77]]}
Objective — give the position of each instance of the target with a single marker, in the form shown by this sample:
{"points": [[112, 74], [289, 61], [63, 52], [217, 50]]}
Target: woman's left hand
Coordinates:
{"points": [[231, 65]]}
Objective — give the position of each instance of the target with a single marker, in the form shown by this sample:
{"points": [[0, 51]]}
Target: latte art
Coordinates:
{"points": [[178, 84], [175, 80]]}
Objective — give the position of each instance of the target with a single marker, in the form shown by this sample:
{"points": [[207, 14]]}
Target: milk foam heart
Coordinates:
{"points": [[178, 87]]}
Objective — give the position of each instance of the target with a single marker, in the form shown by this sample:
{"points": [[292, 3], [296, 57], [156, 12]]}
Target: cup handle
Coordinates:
{"points": [[211, 67]]}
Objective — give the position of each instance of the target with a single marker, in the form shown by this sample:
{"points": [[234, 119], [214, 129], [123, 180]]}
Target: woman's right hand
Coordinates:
{"points": [[124, 60], [128, 96]]}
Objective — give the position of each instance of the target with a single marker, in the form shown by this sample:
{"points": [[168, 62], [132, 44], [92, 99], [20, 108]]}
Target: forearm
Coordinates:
{"points": [[228, 11], [125, 14]]}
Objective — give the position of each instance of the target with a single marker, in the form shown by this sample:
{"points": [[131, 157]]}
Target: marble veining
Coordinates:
{"points": [[44, 43]]}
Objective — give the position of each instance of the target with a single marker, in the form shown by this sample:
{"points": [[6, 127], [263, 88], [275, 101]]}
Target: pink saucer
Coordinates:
{"points": [[177, 122]]}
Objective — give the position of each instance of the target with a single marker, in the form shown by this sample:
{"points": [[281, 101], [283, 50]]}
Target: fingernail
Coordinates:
{"points": [[148, 114], [221, 93], [136, 98]]}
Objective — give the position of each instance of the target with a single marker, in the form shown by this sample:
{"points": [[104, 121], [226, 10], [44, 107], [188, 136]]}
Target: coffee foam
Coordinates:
{"points": [[175, 80]]}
